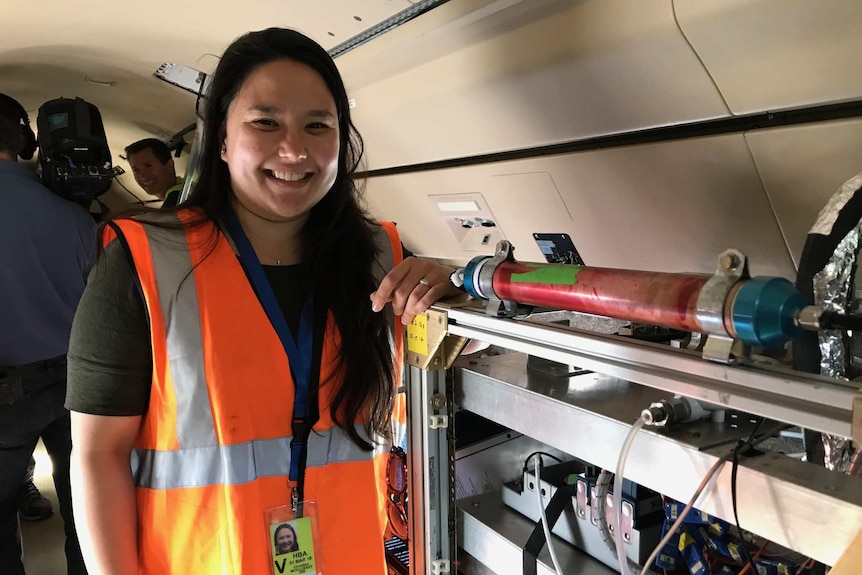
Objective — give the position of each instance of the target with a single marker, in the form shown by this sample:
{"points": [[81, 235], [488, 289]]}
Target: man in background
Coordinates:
{"points": [[47, 247], [153, 168]]}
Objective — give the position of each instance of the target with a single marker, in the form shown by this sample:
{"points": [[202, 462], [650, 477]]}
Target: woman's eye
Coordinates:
{"points": [[265, 122], [318, 126]]}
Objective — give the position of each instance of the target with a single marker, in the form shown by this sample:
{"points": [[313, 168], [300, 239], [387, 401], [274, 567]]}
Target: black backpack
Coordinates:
{"points": [[74, 158]]}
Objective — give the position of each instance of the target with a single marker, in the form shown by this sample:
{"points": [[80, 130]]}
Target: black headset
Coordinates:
{"points": [[28, 138]]}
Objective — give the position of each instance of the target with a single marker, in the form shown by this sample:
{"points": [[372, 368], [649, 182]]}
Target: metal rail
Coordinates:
{"points": [[809, 401], [431, 541]]}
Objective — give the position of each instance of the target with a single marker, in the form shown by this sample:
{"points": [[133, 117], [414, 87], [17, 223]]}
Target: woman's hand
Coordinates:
{"points": [[412, 286]]}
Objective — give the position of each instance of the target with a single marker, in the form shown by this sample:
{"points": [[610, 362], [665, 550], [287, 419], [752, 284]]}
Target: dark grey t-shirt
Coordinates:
{"points": [[110, 364]]}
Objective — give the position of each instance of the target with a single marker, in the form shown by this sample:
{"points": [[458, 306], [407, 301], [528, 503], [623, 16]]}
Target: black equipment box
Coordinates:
{"points": [[74, 158]]}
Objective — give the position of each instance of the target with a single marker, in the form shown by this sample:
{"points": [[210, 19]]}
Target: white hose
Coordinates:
{"points": [[618, 497], [545, 527]]}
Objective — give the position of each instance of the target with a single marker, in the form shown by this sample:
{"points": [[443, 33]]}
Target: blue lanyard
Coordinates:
{"points": [[299, 353]]}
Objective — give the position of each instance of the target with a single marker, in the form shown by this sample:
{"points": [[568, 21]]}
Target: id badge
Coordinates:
{"points": [[294, 540]]}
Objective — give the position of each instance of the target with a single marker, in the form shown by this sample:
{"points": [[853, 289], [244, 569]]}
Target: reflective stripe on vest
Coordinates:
{"points": [[245, 462], [172, 267]]}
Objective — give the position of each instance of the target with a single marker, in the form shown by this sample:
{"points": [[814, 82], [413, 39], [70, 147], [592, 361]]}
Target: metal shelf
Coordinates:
{"points": [[494, 535], [806, 400], [785, 500]]}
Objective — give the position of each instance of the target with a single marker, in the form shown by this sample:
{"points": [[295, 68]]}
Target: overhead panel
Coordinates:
{"points": [[672, 206], [519, 201], [802, 167], [771, 54], [525, 75]]}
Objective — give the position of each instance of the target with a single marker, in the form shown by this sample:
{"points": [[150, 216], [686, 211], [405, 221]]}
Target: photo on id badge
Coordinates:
{"points": [[293, 547]]}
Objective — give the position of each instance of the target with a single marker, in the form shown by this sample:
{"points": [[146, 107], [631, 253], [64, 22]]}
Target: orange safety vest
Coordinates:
{"points": [[213, 451]]}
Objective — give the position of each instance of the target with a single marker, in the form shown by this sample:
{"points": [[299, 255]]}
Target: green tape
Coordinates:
{"points": [[556, 274]]}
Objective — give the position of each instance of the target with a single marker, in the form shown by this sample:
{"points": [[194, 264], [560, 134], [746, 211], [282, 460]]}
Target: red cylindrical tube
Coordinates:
{"points": [[663, 299]]}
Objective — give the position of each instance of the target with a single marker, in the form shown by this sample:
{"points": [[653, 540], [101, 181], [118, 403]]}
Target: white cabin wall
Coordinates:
{"points": [[529, 75], [802, 166], [772, 54], [621, 207], [595, 67]]}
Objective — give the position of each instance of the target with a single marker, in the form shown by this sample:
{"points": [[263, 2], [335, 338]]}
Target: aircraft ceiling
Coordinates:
{"points": [[106, 52]]}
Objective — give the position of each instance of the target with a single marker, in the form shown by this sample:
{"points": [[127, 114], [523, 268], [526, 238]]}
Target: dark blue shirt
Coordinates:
{"points": [[47, 247]]}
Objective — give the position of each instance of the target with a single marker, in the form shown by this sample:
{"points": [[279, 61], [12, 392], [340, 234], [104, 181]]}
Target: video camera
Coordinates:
{"points": [[74, 158]]}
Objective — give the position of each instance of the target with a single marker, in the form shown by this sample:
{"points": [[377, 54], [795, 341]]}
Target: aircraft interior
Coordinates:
{"points": [[650, 207]]}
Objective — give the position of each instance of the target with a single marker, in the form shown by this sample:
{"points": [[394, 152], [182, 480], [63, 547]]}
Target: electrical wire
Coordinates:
{"points": [[756, 555], [618, 495], [535, 453], [537, 468], [747, 444], [670, 532], [713, 471]]}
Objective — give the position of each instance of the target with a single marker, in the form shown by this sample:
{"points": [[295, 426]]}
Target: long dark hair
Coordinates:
{"points": [[338, 238]]}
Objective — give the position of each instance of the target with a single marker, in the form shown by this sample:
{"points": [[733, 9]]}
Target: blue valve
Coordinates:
{"points": [[765, 310]]}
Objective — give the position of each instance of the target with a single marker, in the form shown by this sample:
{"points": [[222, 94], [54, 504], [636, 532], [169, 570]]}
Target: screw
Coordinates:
{"points": [[475, 504], [438, 401], [436, 361], [728, 262]]}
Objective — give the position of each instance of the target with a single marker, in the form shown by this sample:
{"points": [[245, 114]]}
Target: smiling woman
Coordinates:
{"points": [[281, 145], [226, 350]]}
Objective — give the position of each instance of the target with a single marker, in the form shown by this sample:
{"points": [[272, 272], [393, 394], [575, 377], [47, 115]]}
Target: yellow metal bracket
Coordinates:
{"points": [[429, 345]]}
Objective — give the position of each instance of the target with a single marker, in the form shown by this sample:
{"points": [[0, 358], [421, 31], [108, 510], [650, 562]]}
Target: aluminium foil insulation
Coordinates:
{"points": [[832, 292]]}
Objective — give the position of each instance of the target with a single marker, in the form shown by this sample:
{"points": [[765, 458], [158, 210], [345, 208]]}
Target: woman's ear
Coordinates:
{"points": [[222, 136]]}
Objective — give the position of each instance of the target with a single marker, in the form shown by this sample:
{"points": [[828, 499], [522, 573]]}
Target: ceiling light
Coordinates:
{"points": [[184, 77]]}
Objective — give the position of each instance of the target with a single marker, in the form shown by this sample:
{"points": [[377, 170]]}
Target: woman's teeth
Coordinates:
{"points": [[289, 176]]}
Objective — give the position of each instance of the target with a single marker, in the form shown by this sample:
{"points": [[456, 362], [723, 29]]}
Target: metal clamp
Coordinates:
{"points": [[483, 279], [581, 499], [732, 267], [725, 349], [594, 506], [440, 566], [627, 519], [439, 422]]}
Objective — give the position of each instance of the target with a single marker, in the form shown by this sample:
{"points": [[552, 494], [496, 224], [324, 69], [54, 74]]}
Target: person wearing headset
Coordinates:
{"points": [[47, 247]]}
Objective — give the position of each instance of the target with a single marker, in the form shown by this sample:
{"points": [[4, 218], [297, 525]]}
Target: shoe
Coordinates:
{"points": [[34, 507]]}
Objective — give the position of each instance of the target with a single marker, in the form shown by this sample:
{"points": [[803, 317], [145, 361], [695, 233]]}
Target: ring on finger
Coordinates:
{"points": [[425, 282]]}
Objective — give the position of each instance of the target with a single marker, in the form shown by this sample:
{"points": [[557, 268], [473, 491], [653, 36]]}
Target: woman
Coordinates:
{"points": [[214, 337], [285, 540]]}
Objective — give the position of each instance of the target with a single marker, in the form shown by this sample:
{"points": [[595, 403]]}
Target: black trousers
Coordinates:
{"points": [[31, 406]]}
